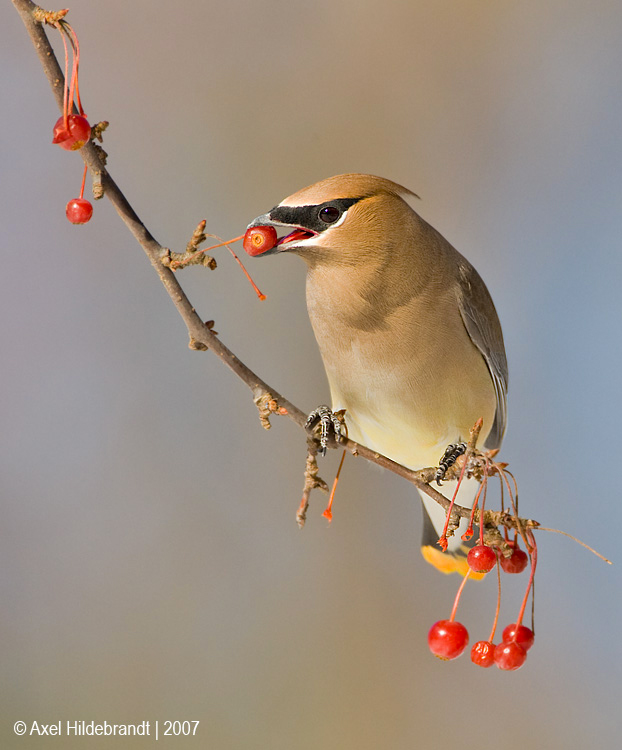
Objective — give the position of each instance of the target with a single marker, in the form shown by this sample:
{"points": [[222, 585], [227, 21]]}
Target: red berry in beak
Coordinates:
{"points": [[259, 240]]}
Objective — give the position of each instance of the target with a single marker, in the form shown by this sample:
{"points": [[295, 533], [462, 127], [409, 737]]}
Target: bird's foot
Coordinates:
{"points": [[331, 424], [449, 459]]}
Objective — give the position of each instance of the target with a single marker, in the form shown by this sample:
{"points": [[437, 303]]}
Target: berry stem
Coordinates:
{"points": [[533, 555], [515, 483], [220, 244], [83, 182], [74, 70], [65, 90], [76, 61], [328, 513], [483, 486], [514, 505], [442, 541], [496, 620], [261, 295], [505, 528], [533, 606], [458, 595], [186, 260], [469, 532]]}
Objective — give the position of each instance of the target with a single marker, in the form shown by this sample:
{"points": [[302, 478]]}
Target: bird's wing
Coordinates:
{"points": [[482, 324]]}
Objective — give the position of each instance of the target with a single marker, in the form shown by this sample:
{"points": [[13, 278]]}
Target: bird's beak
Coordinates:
{"points": [[261, 221], [292, 235]]}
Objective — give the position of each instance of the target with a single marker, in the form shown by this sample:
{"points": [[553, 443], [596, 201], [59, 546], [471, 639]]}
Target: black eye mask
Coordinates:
{"points": [[308, 217]]}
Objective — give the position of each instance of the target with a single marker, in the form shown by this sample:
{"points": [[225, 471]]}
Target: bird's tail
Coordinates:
{"points": [[454, 559]]}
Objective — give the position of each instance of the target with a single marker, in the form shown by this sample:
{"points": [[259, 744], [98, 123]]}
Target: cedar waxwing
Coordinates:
{"points": [[407, 330]]}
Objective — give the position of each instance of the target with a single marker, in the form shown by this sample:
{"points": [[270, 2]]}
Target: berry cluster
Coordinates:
{"points": [[448, 639], [72, 131]]}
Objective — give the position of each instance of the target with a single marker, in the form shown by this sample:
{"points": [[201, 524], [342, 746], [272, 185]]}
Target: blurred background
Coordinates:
{"points": [[151, 563]]}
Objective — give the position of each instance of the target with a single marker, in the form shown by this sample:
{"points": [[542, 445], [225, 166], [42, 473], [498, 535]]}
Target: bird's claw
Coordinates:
{"points": [[449, 459], [330, 425]]}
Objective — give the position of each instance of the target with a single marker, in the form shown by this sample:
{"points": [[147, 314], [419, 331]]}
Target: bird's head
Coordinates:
{"points": [[341, 219]]}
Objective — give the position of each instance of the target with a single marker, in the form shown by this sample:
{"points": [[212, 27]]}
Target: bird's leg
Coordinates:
{"points": [[449, 459], [330, 424]]}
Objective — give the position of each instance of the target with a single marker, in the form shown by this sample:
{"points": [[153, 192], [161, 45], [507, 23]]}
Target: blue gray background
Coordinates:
{"points": [[151, 564]]}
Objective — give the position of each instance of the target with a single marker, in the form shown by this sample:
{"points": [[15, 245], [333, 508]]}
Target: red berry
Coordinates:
{"points": [[258, 240], [510, 656], [79, 211], [522, 635], [447, 639], [75, 135], [481, 559], [483, 654], [516, 563]]}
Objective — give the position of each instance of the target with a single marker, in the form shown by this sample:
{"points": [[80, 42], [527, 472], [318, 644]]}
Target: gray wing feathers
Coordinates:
{"points": [[482, 324]]}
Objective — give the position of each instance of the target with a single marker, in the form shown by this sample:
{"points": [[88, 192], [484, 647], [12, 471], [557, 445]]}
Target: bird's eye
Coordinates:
{"points": [[329, 214]]}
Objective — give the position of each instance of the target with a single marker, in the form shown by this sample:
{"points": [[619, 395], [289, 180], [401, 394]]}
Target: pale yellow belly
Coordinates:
{"points": [[412, 419]]}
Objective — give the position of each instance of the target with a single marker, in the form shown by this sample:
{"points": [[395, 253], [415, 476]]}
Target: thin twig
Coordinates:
{"points": [[578, 541], [312, 481]]}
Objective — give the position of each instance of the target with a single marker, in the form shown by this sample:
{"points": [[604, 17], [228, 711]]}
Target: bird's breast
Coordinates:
{"points": [[410, 379]]}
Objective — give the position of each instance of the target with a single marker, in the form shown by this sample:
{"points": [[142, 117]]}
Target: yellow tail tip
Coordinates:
{"points": [[448, 562]]}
